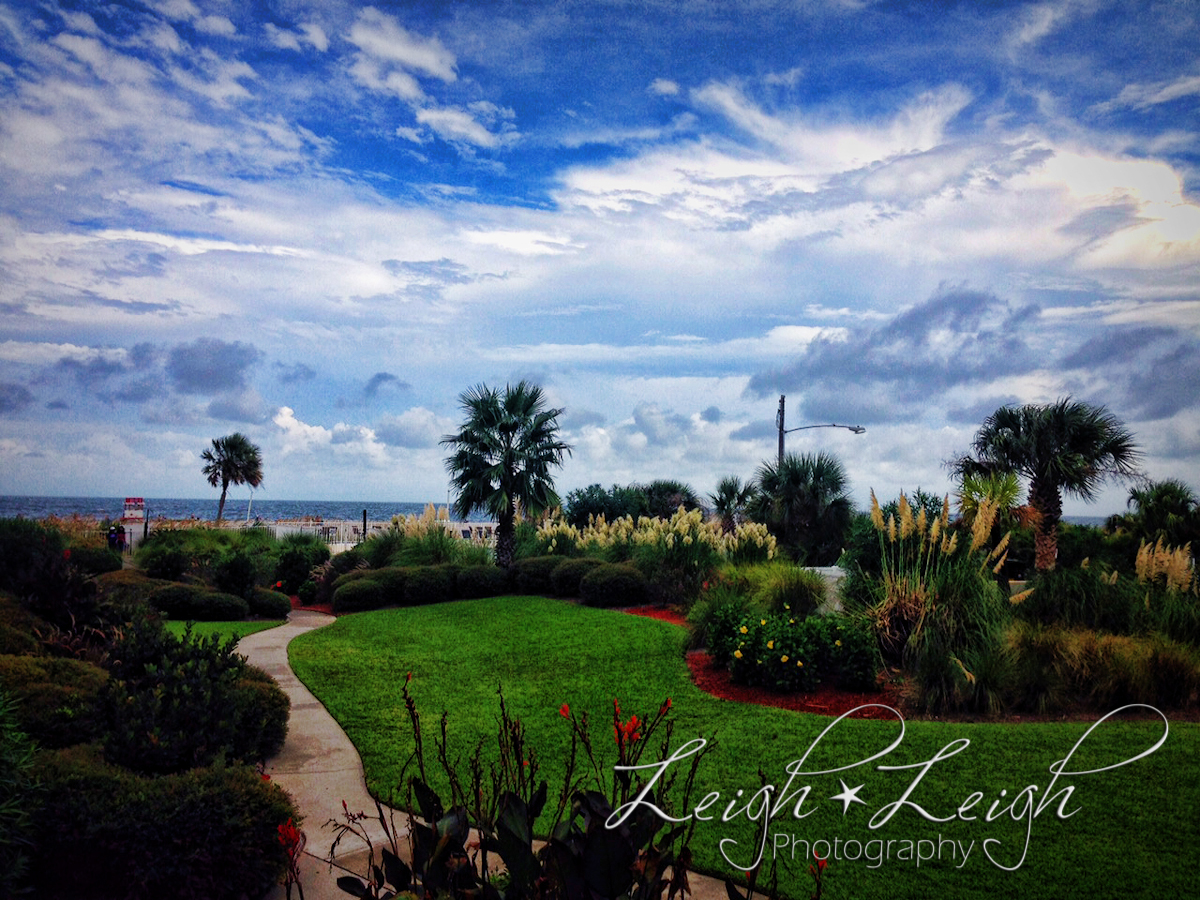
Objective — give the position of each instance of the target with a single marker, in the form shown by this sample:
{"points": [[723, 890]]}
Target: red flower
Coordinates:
{"points": [[662, 710], [564, 711], [66, 554]]}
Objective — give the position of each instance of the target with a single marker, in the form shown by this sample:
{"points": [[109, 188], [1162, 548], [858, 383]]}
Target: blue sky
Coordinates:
{"points": [[319, 223]]}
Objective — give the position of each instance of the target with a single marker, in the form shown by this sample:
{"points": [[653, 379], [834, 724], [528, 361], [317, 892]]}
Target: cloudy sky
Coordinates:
{"points": [[318, 223]]}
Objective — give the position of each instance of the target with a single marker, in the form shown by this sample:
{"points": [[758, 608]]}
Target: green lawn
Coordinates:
{"points": [[224, 629], [1135, 830]]}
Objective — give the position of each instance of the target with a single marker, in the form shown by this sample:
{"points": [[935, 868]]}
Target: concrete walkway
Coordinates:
{"points": [[320, 768], [318, 765]]}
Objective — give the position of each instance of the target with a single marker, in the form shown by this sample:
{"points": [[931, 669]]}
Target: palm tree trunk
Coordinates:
{"points": [[221, 505], [1046, 499], [506, 543]]}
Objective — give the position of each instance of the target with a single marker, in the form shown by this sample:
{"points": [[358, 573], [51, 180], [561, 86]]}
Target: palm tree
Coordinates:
{"points": [[1165, 510], [730, 501], [802, 500], [1063, 446], [502, 456], [664, 496], [232, 460]]}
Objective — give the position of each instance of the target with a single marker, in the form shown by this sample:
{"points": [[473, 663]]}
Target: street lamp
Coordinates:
{"points": [[857, 429]]}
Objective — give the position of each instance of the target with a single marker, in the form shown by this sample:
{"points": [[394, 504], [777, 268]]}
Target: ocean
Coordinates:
{"points": [[236, 509]]}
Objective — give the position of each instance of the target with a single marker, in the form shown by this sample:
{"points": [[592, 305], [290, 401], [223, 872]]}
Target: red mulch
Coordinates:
{"points": [[326, 608], [715, 680]]}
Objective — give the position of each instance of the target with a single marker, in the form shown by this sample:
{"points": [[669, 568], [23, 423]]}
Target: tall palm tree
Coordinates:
{"points": [[730, 501], [1063, 446], [502, 456], [232, 460], [802, 500]]}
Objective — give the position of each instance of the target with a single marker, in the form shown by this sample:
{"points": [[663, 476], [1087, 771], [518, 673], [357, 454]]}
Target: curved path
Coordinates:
{"points": [[318, 765], [320, 768]]}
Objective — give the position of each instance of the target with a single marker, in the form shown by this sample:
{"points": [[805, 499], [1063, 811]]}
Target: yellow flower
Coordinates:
{"points": [[837, 643], [763, 622], [783, 658], [791, 621], [800, 664], [770, 645], [737, 654], [743, 629]]}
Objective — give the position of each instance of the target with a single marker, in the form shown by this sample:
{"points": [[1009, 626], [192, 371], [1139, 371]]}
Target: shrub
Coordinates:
{"points": [[1056, 668], [715, 617], [208, 834], [532, 575], [1083, 597], [177, 702], [307, 593], [95, 560], [59, 701], [16, 627], [565, 577], [787, 653], [236, 574], [353, 575], [328, 572], [18, 797], [164, 561], [359, 595], [268, 604], [483, 581], [789, 587], [188, 602], [613, 584], [382, 546], [429, 584], [128, 587], [263, 710], [299, 554]]}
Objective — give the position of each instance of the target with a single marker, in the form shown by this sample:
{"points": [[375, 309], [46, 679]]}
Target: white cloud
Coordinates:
{"points": [[382, 38], [663, 87], [459, 125], [312, 35], [300, 437]]}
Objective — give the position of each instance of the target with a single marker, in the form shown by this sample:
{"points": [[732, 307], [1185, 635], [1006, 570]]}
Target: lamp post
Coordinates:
{"points": [[857, 429]]}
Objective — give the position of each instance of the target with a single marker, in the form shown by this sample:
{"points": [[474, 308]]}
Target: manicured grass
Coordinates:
{"points": [[1135, 829], [224, 629]]}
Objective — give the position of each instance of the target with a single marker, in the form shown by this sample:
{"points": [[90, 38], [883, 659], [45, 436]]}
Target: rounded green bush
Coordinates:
{"points": [[352, 575], [392, 580], [533, 574], [95, 560], [128, 586], [299, 554], [613, 584], [198, 604], [18, 787], [359, 595], [262, 708], [268, 604], [430, 584], [59, 701], [207, 834], [565, 577], [483, 581], [236, 574], [16, 627]]}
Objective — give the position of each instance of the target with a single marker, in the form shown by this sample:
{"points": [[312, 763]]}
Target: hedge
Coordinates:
{"points": [[59, 701], [613, 584], [533, 574], [103, 831], [566, 576], [193, 603]]}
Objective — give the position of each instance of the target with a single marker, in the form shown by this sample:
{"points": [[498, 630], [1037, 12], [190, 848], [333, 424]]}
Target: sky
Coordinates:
{"points": [[319, 223]]}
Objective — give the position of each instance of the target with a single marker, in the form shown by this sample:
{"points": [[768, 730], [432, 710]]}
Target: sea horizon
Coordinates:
{"points": [[250, 509], [30, 506]]}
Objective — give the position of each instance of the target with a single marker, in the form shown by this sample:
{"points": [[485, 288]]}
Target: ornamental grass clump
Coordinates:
{"points": [[1172, 591], [936, 608]]}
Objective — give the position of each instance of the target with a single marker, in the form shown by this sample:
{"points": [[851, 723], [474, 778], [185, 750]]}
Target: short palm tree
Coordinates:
{"points": [[232, 460], [1063, 446], [730, 500], [1165, 510], [802, 500], [503, 455]]}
